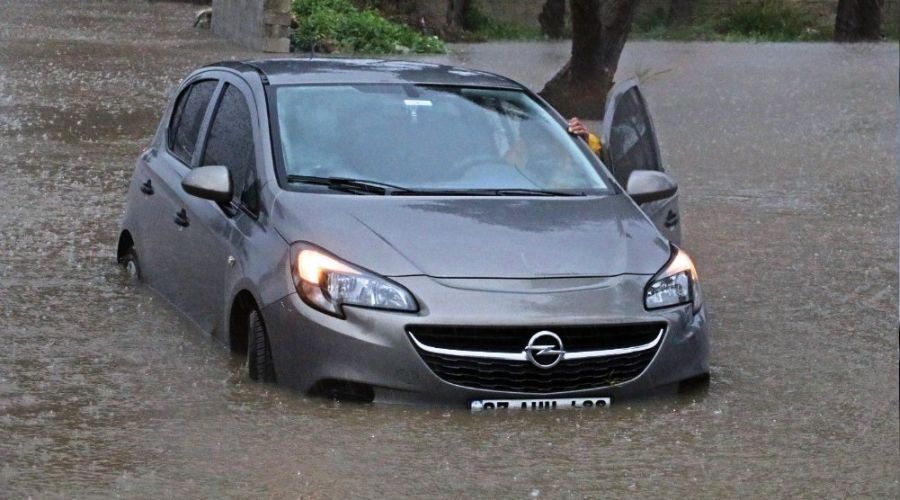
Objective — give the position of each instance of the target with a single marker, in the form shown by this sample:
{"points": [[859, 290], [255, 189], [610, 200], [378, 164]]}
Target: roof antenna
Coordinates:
{"points": [[312, 49]]}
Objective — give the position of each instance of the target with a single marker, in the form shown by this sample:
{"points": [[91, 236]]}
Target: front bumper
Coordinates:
{"points": [[372, 347]]}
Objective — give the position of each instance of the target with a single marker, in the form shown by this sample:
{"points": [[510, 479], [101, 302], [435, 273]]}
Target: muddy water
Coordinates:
{"points": [[787, 156]]}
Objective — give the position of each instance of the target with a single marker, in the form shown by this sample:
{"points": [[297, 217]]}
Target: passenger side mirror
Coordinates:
{"points": [[645, 186], [210, 183]]}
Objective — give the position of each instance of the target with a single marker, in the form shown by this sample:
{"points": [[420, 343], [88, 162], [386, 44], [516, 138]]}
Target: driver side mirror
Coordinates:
{"points": [[645, 186], [210, 183]]}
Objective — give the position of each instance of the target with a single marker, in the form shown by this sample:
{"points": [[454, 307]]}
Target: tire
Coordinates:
{"points": [[130, 263], [259, 350]]}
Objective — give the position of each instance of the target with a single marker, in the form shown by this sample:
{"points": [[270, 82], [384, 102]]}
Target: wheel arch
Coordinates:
{"points": [[125, 243]]}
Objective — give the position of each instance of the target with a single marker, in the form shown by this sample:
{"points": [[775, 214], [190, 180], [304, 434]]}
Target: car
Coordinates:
{"points": [[410, 232]]}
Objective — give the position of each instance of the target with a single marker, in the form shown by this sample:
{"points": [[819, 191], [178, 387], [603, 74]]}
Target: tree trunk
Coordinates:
{"points": [[681, 12], [553, 18], [858, 20], [456, 10], [599, 30]]}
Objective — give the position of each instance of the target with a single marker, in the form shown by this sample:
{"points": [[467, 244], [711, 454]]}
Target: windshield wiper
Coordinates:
{"points": [[447, 192], [348, 185], [538, 192], [486, 192], [360, 186]]}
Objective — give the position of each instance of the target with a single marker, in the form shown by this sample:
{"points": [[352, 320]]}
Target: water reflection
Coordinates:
{"points": [[105, 391]]}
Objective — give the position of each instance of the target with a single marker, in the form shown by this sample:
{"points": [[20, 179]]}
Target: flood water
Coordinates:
{"points": [[787, 159]]}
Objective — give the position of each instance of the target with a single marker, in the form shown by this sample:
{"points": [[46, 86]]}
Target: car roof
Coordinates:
{"points": [[322, 70]]}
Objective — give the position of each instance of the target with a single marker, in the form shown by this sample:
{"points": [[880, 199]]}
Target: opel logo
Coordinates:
{"points": [[545, 349]]}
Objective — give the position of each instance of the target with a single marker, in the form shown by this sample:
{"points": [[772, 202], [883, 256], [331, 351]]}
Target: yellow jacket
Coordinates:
{"points": [[594, 144]]}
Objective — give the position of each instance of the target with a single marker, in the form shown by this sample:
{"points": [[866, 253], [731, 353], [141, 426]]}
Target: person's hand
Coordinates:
{"points": [[578, 128]]}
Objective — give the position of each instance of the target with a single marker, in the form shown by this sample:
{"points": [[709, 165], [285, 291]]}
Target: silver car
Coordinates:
{"points": [[410, 232]]}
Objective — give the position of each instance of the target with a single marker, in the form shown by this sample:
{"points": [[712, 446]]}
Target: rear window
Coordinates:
{"points": [[187, 118]]}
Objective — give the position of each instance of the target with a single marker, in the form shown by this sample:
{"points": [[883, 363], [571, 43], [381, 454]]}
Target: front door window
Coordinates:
{"points": [[631, 143], [230, 143]]}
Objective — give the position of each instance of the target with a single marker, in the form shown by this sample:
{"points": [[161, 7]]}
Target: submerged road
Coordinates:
{"points": [[787, 157]]}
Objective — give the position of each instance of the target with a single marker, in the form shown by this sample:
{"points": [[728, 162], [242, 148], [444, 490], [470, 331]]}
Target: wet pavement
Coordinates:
{"points": [[787, 157]]}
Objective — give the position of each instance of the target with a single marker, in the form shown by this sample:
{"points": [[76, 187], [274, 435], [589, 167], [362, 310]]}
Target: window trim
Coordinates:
{"points": [[170, 125]]}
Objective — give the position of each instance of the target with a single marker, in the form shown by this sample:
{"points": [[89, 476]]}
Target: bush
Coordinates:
{"points": [[338, 26], [484, 27], [655, 25], [773, 20], [766, 20], [651, 20]]}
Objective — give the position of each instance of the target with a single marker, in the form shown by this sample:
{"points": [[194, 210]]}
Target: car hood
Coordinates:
{"points": [[475, 237]]}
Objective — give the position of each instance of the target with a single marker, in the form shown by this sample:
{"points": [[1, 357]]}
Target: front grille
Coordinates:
{"points": [[523, 376]]}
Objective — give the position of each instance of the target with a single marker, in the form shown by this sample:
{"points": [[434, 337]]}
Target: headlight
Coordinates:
{"points": [[676, 284], [327, 284]]}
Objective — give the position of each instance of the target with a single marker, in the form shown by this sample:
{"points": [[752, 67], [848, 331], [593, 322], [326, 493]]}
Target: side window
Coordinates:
{"points": [[230, 143], [187, 118], [632, 145]]}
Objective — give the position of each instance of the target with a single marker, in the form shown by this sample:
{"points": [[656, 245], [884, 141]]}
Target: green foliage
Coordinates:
{"points": [[772, 20], [486, 28], [655, 25], [693, 32], [649, 21], [891, 30], [764, 21], [338, 26]]}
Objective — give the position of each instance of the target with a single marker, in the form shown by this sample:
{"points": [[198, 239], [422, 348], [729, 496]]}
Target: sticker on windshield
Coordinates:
{"points": [[417, 102]]}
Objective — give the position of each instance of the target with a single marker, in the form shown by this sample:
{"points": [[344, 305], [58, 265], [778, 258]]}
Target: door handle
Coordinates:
{"points": [[181, 218], [147, 187], [671, 219]]}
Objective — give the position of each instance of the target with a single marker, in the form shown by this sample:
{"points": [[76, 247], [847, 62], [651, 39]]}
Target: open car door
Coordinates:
{"points": [[629, 144]]}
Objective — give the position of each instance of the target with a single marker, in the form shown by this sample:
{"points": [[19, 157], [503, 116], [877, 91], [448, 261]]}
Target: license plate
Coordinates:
{"points": [[539, 404]]}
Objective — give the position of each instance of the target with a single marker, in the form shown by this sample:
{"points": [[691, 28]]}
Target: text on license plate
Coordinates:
{"points": [[539, 404]]}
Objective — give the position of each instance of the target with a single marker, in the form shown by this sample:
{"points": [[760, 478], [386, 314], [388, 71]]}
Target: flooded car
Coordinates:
{"points": [[413, 232]]}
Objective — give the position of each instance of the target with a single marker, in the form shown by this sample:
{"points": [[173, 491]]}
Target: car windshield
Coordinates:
{"points": [[429, 138]]}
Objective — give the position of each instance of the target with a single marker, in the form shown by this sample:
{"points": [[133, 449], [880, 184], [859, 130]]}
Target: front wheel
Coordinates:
{"points": [[130, 263], [259, 350]]}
